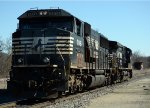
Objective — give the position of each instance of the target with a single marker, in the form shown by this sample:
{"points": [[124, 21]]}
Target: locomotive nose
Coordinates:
{"points": [[42, 46]]}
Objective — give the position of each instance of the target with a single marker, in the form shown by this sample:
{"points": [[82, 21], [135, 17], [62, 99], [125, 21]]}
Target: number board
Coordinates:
{"points": [[43, 13]]}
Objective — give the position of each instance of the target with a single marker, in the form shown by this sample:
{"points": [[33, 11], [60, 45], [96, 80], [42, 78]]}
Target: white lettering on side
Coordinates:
{"points": [[79, 43]]}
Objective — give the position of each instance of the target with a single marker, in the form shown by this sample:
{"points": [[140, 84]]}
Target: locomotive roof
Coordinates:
{"points": [[101, 35], [128, 49], [115, 44], [45, 13]]}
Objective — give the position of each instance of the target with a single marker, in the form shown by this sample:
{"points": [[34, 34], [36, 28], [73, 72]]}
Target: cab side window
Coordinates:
{"points": [[78, 27]]}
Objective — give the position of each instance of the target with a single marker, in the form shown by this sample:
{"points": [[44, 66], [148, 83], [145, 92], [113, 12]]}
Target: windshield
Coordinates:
{"points": [[51, 23]]}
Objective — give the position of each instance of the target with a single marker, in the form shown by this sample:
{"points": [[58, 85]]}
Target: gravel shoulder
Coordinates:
{"points": [[134, 95]]}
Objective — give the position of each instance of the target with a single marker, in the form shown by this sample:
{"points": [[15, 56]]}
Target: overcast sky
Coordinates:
{"points": [[127, 22]]}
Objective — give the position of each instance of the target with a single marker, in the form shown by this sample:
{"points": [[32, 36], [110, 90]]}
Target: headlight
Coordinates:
{"points": [[46, 60], [20, 60]]}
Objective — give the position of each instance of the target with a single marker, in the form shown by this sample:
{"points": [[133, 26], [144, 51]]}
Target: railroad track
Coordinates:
{"points": [[76, 100], [79, 100]]}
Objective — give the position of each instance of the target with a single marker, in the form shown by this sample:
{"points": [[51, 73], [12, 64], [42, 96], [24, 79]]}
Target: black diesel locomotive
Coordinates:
{"points": [[55, 51]]}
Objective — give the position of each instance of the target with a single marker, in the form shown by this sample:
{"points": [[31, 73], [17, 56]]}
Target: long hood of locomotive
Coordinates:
{"points": [[33, 49]]}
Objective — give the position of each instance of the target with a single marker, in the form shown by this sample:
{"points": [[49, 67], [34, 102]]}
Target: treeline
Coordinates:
{"points": [[138, 57], [5, 57]]}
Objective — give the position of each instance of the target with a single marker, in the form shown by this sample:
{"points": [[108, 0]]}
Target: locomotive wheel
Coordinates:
{"points": [[62, 93], [80, 88], [113, 79], [118, 78], [130, 73], [121, 78], [127, 77], [109, 81], [106, 82], [71, 90]]}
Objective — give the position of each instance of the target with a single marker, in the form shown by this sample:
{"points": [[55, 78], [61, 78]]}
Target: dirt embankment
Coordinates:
{"points": [[135, 94]]}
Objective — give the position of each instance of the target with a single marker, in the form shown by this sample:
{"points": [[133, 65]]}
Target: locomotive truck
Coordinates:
{"points": [[56, 51]]}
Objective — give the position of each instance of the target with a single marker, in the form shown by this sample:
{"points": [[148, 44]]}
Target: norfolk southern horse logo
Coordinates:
{"points": [[37, 45]]}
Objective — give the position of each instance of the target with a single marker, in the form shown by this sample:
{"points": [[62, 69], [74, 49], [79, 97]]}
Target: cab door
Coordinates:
{"points": [[79, 40]]}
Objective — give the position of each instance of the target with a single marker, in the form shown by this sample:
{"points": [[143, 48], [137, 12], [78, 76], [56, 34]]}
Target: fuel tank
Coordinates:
{"points": [[96, 80]]}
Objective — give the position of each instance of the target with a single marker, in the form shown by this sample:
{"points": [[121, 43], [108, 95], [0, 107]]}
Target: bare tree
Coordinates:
{"points": [[138, 57], [5, 57], [1, 45], [1, 57], [8, 46]]}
